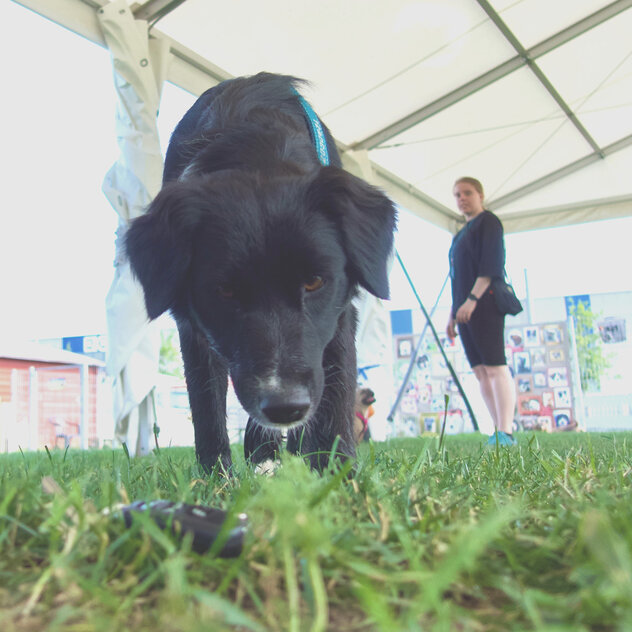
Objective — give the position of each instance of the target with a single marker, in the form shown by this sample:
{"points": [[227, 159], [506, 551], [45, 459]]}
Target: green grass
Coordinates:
{"points": [[537, 537]]}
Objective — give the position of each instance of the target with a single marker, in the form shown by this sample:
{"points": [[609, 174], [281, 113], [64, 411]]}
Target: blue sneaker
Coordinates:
{"points": [[501, 438]]}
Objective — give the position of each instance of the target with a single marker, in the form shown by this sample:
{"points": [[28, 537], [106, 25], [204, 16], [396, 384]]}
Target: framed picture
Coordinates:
{"points": [[539, 379], [538, 357], [548, 400], [515, 339], [522, 362], [562, 418], [557, 376], [524, 385], [556, 356], [562, 397], [529, 405], [428, 423], [531, 336], [404, 347], [423, 361], [552, 334], [541, 422]]}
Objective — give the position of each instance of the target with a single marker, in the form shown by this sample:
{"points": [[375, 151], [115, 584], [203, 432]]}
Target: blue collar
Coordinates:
{"points": [[316, 131]]}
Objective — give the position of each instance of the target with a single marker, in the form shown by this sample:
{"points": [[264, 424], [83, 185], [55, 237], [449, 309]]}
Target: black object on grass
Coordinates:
{"points": [[204, 523]]}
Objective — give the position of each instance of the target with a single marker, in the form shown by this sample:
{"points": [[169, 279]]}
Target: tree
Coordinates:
{"points": [[590, 354], [170, 359]]}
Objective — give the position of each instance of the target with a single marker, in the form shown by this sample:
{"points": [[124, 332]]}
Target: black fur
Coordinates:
{"points": [[236, 244]]}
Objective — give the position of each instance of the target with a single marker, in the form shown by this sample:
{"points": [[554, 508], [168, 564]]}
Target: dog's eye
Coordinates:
{"points": [[315, 283]]}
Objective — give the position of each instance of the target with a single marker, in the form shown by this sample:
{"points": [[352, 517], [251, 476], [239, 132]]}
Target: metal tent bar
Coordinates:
{"points": [[443, 353]]}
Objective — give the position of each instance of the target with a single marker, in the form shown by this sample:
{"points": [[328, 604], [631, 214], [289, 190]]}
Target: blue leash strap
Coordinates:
{"points": [[316, 130]]}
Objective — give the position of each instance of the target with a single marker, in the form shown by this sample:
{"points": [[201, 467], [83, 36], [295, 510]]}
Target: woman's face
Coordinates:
{"points": [[468, 199]]}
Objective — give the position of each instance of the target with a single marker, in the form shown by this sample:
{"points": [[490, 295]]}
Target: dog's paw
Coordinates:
{"points": [[267, 468]]}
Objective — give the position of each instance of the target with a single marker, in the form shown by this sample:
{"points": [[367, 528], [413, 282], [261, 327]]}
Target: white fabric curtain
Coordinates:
{"points": [[140, 65]]}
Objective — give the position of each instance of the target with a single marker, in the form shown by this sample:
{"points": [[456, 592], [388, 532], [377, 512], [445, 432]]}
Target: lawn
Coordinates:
{"points": [[422, 537]]}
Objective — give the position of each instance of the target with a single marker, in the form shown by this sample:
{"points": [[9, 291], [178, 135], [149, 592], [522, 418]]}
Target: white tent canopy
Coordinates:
{"points": [[532, 97]]}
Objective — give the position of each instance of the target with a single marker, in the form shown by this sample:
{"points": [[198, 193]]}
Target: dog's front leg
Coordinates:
{"points": [[207, 381]]}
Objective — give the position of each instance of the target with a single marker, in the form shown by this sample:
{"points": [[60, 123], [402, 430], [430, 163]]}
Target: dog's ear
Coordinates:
{"points": [[366, 218], [159, 242]]}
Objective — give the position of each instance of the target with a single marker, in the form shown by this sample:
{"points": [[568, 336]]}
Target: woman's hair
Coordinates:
{"points": [[474, 182]]}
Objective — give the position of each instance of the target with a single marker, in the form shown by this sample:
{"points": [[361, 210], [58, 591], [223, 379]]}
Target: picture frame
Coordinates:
{"points": [[529, 405], [522, 362], [562, 418], [428, 423], [562, 396], [545, 422], [524, 385], [422, 362], [404, 347], [539, 379], [538, 357], [515, 339], [557, 376], [531, 336], [552, 335], [556, 356], [548, 400]]}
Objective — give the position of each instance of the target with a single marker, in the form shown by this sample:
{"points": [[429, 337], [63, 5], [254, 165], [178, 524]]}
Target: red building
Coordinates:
{"points": [[48, 397]]}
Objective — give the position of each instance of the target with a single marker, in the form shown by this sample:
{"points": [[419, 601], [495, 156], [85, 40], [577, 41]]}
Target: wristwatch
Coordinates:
{"points": [[472, 296]]}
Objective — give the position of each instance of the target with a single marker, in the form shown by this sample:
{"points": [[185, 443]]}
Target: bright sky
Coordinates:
{"points": [[57, 242]]}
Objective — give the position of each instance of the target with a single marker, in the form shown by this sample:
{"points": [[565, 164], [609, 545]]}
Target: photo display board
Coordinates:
{"points": [[423, 405], [539, 358]]}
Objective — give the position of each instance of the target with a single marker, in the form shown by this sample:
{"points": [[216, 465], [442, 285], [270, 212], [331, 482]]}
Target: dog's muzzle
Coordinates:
{"points": [[286, 407]]}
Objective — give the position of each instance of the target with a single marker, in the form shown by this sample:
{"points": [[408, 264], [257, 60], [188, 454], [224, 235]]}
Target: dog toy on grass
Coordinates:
{"points": [[204, 523]]}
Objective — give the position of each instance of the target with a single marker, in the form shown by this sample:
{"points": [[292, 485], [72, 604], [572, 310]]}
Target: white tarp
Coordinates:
{"points": [[531, 97], [130, 185]]}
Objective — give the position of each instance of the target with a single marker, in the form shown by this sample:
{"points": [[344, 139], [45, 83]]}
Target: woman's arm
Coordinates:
{"points": [[464, 313]]}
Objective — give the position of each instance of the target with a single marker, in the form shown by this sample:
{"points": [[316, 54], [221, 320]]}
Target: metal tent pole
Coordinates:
{"points": [[443, 353], [414, 355]]}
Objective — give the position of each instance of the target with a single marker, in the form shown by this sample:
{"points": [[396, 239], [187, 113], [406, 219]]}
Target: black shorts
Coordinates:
{"points": [[483, 338]]}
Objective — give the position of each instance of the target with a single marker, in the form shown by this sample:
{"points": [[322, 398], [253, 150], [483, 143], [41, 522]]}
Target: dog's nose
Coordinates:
{"points": [[286, 408]]}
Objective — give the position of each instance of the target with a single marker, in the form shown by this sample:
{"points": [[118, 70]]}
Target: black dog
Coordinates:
{"points": [[257, 250]]}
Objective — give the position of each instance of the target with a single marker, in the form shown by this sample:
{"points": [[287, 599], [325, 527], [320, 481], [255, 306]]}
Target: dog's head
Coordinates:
{"points": [[265, 269], [365, 397]]}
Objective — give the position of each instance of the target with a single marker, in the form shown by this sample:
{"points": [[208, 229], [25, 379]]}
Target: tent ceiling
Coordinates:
{"points": [[531, 96]]}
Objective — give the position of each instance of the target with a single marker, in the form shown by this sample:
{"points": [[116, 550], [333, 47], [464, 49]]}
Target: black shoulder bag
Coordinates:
{"points": [[504, 296]]}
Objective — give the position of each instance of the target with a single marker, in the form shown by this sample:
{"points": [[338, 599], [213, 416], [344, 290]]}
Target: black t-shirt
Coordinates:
{"points": [[477, 250]]}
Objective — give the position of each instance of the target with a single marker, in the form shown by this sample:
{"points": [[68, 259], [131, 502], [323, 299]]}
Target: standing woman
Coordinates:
{"points": [[477, 255]]}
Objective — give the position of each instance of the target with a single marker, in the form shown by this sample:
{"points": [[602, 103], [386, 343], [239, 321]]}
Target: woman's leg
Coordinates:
{"points": [[480, 371], [501, 391]]}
